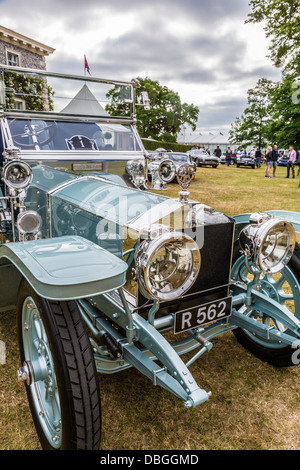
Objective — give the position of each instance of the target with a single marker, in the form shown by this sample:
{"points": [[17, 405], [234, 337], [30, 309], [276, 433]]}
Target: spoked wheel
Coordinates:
{"points": [[59, 371], [284, 288]]}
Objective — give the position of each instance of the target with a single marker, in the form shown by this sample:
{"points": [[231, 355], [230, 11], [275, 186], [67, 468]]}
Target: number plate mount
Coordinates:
{"points": [[202, 314]]}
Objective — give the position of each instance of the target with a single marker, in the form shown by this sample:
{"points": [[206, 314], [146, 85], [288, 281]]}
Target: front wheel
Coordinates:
{"points": [[59, 370], [284, 288]]}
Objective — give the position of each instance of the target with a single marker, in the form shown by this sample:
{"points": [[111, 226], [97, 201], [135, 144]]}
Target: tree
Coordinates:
{"points": [[166, 114], [253, 127], [282, 25], [285, 111]]}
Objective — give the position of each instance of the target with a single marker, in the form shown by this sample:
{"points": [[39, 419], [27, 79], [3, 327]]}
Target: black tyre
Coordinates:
{"points": [[274, 353], [61, 379]]}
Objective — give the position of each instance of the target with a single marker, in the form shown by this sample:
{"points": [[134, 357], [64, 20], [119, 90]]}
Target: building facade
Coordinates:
{"points": [[207, 140], [20, 51]]}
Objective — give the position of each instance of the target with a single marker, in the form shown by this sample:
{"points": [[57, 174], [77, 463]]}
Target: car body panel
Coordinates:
{"points": [[202, 158], [65, 268], [245, 160]]}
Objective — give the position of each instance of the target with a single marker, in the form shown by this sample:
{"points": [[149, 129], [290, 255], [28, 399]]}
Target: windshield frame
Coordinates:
{"points": [[37, 155], [44, 74]]}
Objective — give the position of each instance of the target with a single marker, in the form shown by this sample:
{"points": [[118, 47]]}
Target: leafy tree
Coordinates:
{"points": [[282, 25], [253, 127], [285, 111], [166, 115]]}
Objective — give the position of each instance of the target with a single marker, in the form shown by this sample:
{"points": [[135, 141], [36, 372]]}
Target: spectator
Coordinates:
{"points": [[218, 152], [228, 156], [274, 158], [268, 162], [258, 157], [291, 162]]}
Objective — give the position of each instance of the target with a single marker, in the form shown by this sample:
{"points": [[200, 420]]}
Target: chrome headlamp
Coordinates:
{"points": [[167, 171], [167, 265], [28, 222], [17, 174], [136, 171], [268, 241]]}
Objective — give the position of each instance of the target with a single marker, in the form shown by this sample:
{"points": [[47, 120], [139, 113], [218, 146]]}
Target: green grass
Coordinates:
{"points": [[253, 405]]}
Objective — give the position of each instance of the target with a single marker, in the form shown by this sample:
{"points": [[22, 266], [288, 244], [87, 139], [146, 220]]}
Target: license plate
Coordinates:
{"points": [[202, 314]]}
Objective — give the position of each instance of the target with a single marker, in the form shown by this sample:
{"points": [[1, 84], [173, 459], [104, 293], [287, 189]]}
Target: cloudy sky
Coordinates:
{"points": [[201, 49]]}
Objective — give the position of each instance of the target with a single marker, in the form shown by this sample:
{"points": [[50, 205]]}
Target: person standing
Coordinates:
{"points": [[228, 156], [258, 157], [291, 162], [218, 152], [268, 162], [274, 158]]}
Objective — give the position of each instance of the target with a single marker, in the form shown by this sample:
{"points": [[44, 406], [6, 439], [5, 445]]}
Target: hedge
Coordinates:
{"points": [[155, 144]]}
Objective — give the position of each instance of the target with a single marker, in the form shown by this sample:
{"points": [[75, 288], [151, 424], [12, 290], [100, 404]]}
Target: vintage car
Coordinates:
{"points": [[105, 274], [203, 158], [166, 165], [245, 160], [282, 161], [233, 158]]}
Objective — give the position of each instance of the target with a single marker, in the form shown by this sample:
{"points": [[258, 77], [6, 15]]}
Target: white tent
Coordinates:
{"points": [[85, 103]]}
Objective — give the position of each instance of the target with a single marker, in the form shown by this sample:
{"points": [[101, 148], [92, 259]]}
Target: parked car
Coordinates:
{"points": [[282, 161], [98, 267], [165, 165], [223, 160], [202, 158], [245, 160]]}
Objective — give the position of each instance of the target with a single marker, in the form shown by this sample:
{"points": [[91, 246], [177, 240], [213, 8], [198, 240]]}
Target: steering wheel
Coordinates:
{"points": [[31, 130]]}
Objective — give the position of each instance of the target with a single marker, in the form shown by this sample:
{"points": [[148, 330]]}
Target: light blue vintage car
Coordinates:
{"points": [[106, 274]]}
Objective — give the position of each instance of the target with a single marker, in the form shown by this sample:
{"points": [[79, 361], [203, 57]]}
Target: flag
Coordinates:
{"points": [[86, 66]]}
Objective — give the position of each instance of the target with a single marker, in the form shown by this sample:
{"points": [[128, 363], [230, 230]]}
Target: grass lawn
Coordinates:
{"points": [[253, 405]]}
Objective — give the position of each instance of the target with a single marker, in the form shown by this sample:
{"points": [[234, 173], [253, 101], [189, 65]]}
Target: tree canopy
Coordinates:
{"points": [[252, 128], [166, 115], [282, 26], [273, 114]]}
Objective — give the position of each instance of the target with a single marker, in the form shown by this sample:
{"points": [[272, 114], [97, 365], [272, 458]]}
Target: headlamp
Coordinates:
{"points": [[136, 170], [167, 171], [268, 241], [17, 174], [167, 266], [28, 222]]}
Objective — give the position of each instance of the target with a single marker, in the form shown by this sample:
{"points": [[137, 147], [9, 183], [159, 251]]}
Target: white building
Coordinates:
{"points": [[207, 139]]}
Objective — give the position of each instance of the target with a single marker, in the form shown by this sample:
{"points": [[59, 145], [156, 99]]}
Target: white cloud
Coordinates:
{"points": [[203, 50]]}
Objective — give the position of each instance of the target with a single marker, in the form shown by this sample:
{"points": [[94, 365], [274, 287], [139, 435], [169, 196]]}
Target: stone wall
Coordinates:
{"points": [[28, 59]]}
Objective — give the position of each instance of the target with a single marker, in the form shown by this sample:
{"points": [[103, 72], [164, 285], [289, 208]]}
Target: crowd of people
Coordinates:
{"points": [[270, 158]]}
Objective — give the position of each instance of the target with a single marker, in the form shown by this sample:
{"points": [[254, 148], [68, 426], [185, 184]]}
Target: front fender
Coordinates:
{"points": [[243, 219], [64, 268]]}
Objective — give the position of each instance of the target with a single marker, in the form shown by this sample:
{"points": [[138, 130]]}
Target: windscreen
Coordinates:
{"points": [[86, 96], [40, 134]]}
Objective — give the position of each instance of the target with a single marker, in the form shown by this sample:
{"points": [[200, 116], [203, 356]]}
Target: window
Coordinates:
{"points": [[13, 59], [19, 104]]}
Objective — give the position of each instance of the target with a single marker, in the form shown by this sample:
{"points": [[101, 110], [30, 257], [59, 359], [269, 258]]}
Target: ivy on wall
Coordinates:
{"points": [[33, 91]]}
